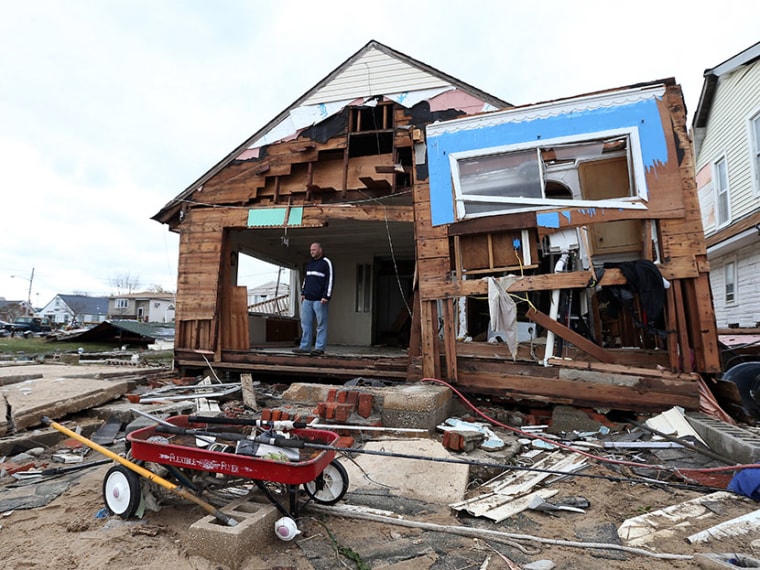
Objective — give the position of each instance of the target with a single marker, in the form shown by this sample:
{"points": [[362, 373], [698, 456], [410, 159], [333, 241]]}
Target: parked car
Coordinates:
{"points": [[5, 328], [31, 325]]}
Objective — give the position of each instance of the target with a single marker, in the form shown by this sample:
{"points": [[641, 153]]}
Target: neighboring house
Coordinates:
{"points": [[430, 196], [271, 297], [726, 131], [147, 307], [82, 309], [9, 310]]}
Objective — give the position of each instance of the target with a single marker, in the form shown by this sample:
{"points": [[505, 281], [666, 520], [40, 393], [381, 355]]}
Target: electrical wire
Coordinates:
{"points": [[676, 470]]}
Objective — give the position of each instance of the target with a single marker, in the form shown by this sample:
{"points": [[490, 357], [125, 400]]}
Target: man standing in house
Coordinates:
{"points": [[315, 296]]}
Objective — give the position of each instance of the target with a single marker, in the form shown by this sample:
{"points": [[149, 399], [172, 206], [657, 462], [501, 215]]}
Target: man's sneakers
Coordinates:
{"points": [[315, 352]]}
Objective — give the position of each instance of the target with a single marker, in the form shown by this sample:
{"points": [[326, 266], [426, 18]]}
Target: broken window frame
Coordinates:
{"points": [[636, 201]]}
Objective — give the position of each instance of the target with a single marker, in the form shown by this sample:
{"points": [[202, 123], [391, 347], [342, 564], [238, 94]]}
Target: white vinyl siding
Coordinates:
{"points": [[745, 310], [375, 73], [736, 101]]}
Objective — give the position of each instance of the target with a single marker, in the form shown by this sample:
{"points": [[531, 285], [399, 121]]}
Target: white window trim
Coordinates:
{"points": [[754, 150], [731, 261], [531, 204], [716, 191]]}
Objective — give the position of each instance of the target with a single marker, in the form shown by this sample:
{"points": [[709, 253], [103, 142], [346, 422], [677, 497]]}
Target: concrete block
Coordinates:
{"points": [[231, 545], [416, 406], [303, 392], [731, 442]]}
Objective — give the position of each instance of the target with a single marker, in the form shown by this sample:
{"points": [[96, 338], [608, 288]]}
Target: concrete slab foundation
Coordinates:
{"points": [[231, 545]]}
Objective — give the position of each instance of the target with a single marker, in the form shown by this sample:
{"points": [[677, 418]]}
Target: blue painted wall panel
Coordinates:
{"points": [[643, 115]]}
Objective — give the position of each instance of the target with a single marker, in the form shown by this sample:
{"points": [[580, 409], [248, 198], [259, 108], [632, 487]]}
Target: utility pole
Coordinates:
{"points": [[29, 291]]}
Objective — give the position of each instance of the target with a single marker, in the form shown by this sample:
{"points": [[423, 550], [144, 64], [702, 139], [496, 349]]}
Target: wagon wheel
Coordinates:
{"points": [[121, 491], [330, 486]]}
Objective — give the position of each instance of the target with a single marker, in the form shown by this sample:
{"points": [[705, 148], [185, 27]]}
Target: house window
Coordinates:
{"points": [[729, 271], [513, 178], [720, 176], [363, 287], [121, 303], [755, 142]]}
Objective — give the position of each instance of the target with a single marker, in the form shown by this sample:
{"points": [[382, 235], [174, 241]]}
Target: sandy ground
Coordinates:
{"points": [[72, 531]]}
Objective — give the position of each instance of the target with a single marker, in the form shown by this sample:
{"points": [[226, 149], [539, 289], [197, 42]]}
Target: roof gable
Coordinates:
{"points": [[711, 77], [375, 70], [86, 305]]}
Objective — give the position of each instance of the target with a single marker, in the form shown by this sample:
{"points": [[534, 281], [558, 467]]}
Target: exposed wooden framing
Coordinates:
{"points": [[638, 394], [449, 340], [672, 328], [344, 185], [431, 367], [686, 352], [331, 182], [570, 336], [415, 337]]}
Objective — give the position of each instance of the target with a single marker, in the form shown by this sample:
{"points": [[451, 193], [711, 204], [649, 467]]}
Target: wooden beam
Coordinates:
{"points": [[570, 336], [683, 332], [638, 395], [449, 340], [361, 213], [431, 355], [672, 327], [675, 269]]}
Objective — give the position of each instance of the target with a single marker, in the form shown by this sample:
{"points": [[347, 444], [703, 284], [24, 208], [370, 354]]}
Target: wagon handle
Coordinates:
{"points": [[226, 519]]}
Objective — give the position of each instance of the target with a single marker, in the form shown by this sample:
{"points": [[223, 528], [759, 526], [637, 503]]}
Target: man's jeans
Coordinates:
{"points": [[311, 310]]}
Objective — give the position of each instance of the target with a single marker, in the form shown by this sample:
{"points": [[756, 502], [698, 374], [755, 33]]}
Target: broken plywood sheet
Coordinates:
{"points": [[505, 490], [432, 482], [23, 404], [667, 522], [734, 527]]}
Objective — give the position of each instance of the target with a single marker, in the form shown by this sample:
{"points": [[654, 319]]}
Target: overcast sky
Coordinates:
{"points": [[109, 109]]}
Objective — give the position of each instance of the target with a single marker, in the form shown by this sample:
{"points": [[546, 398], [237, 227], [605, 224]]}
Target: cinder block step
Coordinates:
{"points": [[230, 545], [732, 442]]}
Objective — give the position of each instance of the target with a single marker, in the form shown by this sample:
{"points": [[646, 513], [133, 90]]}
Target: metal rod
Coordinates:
{"points": [[226, 519], [288, 424], [706, 452]]}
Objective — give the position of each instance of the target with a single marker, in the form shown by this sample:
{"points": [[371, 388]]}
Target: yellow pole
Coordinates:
{"points": [[229, 521]]}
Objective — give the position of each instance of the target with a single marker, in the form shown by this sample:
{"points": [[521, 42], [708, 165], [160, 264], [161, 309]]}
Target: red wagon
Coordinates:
{"points": [[200, 464]]}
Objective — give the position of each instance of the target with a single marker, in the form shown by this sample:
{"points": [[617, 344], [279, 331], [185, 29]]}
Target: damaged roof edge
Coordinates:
{"points": [[745, 57], [168, 211]]}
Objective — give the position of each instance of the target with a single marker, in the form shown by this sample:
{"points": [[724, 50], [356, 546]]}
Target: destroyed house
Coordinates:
{"points": [[549, 252]]}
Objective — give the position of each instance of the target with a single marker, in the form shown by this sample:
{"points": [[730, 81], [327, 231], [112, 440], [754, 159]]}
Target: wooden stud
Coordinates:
{"points": [[449, 340], [683, 335], [570, 336]]}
